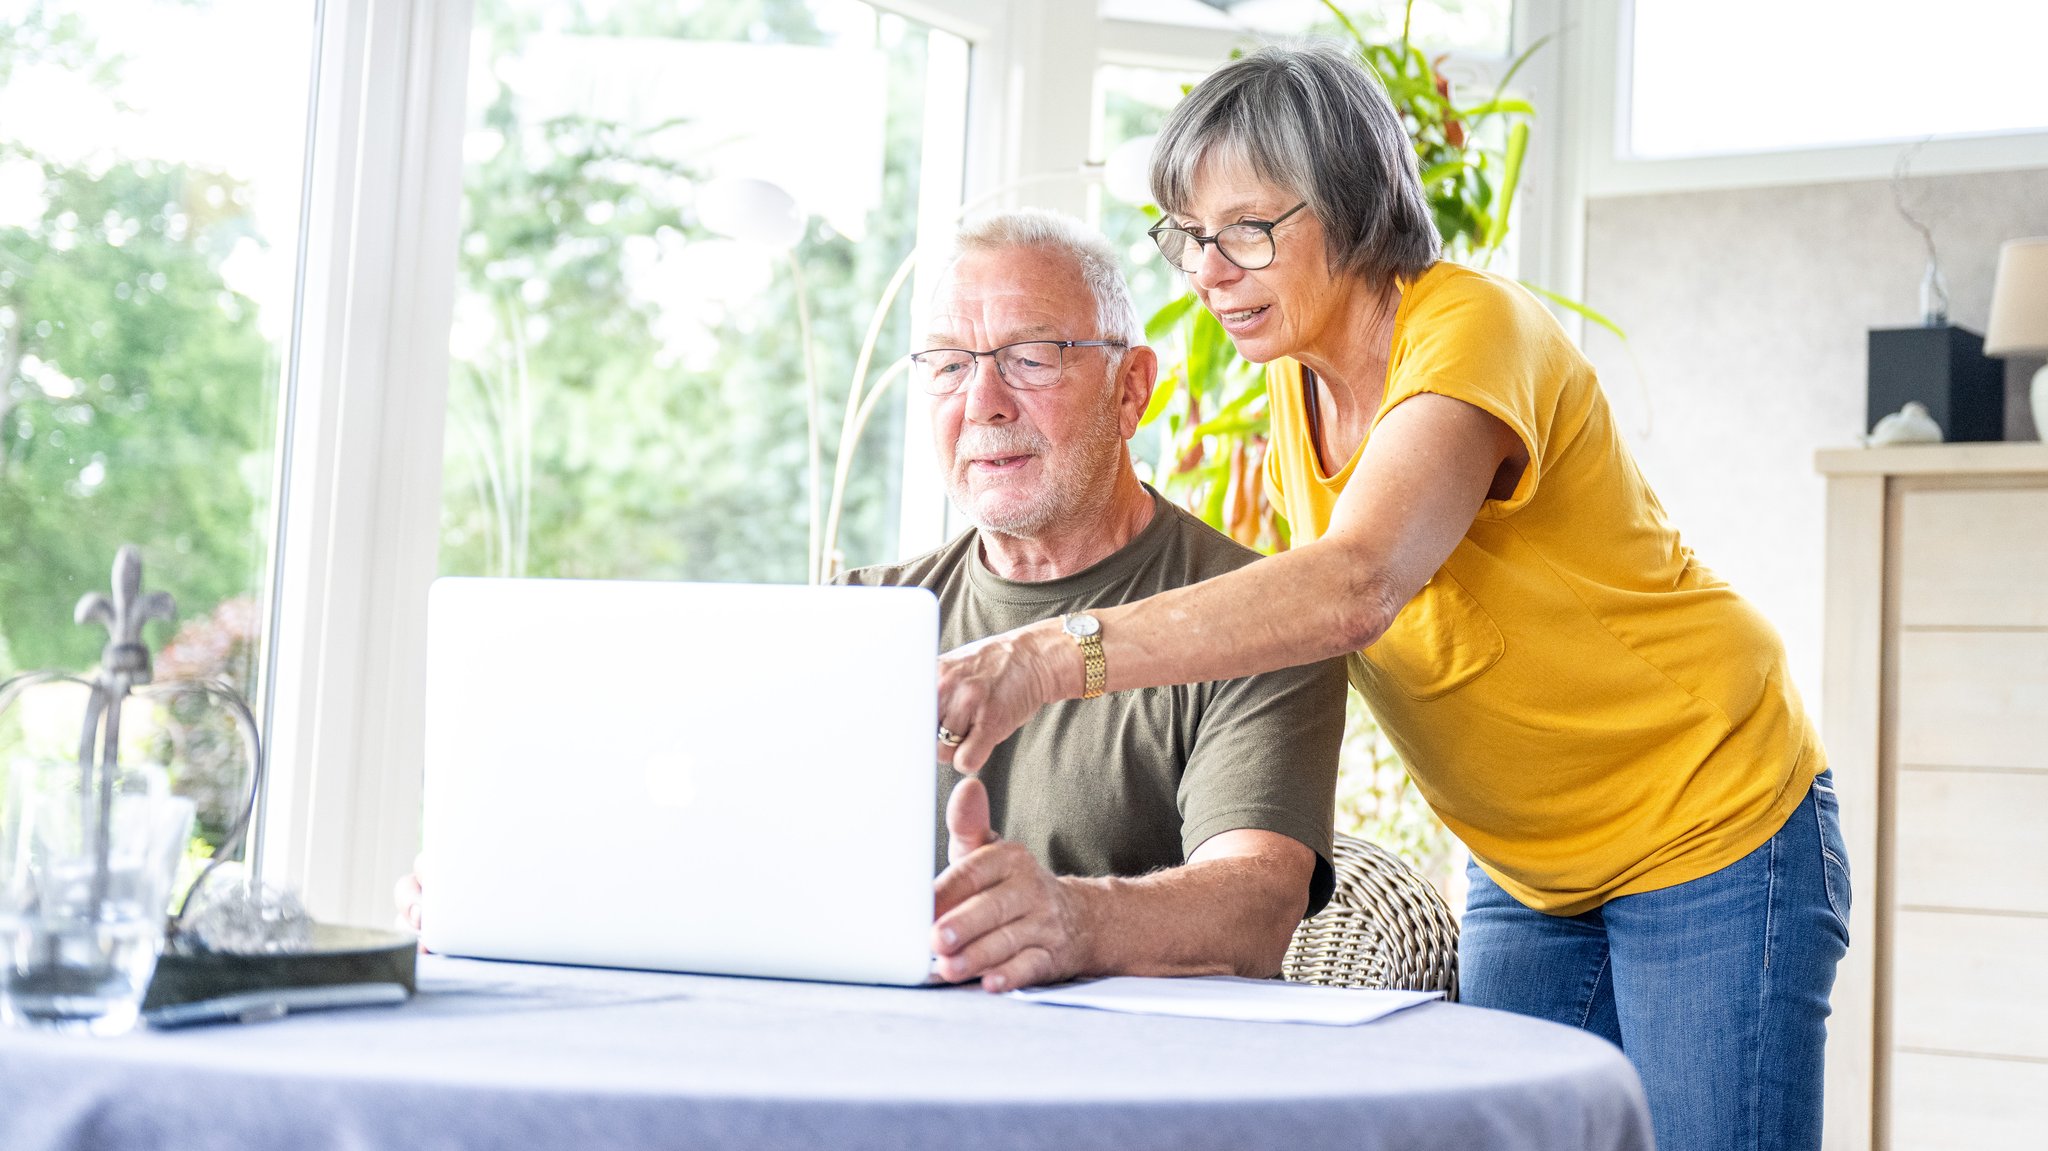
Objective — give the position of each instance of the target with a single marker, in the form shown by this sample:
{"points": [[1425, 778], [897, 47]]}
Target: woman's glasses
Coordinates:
{"points": [[1249, 245]]}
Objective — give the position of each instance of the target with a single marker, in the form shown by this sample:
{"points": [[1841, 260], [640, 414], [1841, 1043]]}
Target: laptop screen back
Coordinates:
{"points": [[720, 778]]}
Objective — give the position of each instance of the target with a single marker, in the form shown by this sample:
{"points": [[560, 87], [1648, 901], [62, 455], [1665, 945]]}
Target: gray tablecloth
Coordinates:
{"points": [[497, 1055]]}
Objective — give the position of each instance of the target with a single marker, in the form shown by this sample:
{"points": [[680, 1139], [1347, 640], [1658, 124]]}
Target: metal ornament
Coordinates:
{"points": [[247, 952], [126, 669]]}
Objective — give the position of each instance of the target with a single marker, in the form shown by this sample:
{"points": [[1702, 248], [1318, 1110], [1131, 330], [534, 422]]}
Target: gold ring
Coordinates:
{"points": [[948, 738]]}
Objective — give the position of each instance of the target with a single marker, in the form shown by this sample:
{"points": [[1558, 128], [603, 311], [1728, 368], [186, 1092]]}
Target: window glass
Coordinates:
{"points": [[1131, 105], [1468, 27], [150, 176], [1768, 75], [674, 217]]}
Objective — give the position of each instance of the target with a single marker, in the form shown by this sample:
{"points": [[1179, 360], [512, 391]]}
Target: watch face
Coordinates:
{"points": [[1083, 624]]}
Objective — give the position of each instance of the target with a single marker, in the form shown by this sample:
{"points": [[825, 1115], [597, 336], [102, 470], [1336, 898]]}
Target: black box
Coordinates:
{"points": [[1944, 368]]}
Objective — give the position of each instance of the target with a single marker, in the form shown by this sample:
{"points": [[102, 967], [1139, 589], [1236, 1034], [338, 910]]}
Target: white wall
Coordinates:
{"points": [[1748, 312]]}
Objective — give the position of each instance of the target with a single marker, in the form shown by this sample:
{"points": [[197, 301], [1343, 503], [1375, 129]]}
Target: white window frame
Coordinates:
{"points": [[360, 502], [1551, 233]]}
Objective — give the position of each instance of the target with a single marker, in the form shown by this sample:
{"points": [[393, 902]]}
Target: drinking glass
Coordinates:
{"points": [[85, 883]]}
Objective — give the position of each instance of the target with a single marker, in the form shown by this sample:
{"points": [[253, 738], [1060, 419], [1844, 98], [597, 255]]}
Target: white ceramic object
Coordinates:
{"points": [[2037, 398], [1909, 425]]}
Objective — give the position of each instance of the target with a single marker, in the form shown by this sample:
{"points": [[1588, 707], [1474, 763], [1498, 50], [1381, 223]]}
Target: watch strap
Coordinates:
{"points": [[1095, 668]]}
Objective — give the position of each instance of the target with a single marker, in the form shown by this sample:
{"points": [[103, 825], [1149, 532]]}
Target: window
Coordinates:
{"points": [[1769, 75], [1131, 105], [150, 180], [1466, 27], [675, 216]]}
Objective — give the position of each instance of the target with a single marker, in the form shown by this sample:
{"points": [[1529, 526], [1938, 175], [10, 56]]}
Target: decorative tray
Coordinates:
{"points": [[345, 967]]}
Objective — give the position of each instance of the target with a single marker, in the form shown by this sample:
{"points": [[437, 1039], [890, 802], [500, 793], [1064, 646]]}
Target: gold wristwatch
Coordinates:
{"points": [[1087, 632]]}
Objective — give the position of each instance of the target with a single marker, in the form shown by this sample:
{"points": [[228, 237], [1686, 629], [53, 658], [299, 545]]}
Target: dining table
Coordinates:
{"points": [[498, 1055]]}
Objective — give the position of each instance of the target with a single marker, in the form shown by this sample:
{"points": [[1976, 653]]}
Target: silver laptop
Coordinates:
{"points": [[723, 778]]}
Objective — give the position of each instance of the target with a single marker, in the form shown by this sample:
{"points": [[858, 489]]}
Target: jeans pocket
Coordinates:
{"points": [[1834, 853]]}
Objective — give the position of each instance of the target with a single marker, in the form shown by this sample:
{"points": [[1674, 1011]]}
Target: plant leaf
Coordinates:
{"points": [[1214, 352], [1219, 489], [1515, 67], [1350, 28], [1510, 105], [1199, 370], [1438, 173], [1168, 317], [1233, 426], [1574, 306], [1162, 394], [1518, 146]]}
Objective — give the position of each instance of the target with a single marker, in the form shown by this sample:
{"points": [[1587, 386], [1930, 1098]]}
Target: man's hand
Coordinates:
{"points": [[408, 894], [968, 827], [1000, 914]]}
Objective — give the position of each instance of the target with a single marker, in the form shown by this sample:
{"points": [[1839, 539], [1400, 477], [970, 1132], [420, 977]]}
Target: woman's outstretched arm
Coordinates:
{"points": [[1430, 465]]}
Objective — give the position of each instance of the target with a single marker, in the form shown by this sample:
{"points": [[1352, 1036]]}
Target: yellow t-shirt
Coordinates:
{"points": [[1591, 710]]}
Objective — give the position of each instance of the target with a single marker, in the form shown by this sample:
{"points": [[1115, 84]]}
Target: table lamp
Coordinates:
{"points": [[2019, 315]]}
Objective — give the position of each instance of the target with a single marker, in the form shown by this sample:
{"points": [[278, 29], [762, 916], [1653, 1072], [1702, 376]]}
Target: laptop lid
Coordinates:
{"points": [[723, 778]]}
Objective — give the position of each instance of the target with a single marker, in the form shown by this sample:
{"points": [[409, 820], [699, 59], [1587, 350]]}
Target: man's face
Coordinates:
{"points": [[1019, 461]]}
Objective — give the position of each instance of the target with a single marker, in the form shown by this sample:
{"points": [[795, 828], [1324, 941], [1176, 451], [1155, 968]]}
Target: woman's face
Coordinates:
{"points": [[1292, 306]]}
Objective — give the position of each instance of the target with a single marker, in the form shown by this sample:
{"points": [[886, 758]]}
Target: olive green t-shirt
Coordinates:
{"points": [[1135, 781]]}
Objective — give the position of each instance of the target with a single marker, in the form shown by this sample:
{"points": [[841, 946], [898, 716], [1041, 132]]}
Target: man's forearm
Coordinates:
{"points": [[1228, 916]]}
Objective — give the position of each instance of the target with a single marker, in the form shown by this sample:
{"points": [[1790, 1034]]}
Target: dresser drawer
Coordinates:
{"points": [[1972, 839], [1974, 558], [1946, 1103], [1970, 983], [1973, 699]]}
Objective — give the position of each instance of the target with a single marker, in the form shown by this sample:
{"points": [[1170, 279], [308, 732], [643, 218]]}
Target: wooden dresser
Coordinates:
{"points": [[1935, 714]]}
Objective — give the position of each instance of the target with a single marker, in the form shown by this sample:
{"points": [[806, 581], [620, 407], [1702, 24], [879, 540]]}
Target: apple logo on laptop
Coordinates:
{"points": [[671, 778]]}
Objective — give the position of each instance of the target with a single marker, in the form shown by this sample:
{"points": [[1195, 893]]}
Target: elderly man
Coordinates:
{"points": [[1171, 831]]}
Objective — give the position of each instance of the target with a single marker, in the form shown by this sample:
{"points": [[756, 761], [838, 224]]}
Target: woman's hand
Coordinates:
{"points": [[989, 688]]}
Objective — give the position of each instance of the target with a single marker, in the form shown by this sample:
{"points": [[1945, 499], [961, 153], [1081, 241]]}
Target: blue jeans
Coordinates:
{"points": [[1717, 989]]}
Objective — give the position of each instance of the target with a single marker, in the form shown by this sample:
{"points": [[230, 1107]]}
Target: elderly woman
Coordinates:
{"points": [[1608, 727]]}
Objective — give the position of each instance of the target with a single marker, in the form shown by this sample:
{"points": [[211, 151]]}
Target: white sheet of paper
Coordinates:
{"points": [[1228, 997]]}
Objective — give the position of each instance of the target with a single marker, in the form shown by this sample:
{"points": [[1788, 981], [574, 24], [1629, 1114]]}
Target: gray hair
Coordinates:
{"points": [[1116, 317], [1309, 117]]}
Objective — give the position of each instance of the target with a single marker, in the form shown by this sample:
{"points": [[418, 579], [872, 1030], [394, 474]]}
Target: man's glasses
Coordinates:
{"points": [[1025, 364], [1248, 245]]}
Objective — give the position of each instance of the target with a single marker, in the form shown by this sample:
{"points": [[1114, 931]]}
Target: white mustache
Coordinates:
{"points": [[1009, 440]]}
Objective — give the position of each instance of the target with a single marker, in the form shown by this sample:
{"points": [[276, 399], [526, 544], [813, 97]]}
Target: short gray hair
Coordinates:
{"points": [[1116, 317], [1309, 117]]}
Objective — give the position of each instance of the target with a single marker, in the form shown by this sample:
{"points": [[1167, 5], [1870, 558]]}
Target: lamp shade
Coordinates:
{"points": [[2019, 299], [752, 211]]}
